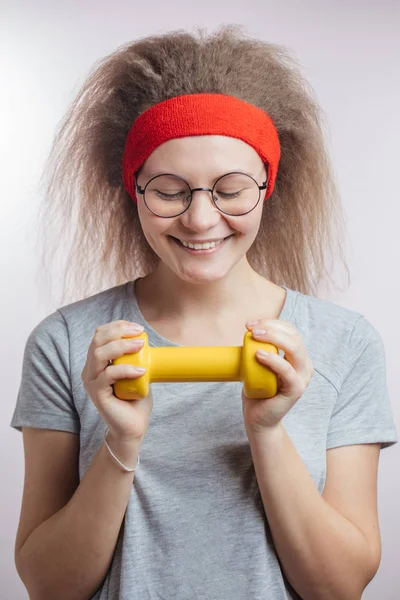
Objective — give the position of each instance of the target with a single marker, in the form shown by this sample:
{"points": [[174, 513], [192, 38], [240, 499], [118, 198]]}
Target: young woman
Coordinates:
{"points": [[202, 181]]}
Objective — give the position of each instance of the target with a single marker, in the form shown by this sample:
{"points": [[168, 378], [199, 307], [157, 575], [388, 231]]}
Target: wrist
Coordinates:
{"points": [[124, 440], [266, 433], [125, 452]]}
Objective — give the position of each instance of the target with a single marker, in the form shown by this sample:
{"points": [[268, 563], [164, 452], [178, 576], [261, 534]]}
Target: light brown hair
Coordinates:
{"points": [[86, 207]]}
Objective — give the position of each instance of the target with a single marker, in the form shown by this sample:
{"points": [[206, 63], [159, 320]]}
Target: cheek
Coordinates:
{"points": [[247, 225], [146, 224], [153, 227]]}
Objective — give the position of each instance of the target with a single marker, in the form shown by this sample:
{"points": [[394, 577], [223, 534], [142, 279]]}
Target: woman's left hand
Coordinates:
{"points": [[294, 372]]}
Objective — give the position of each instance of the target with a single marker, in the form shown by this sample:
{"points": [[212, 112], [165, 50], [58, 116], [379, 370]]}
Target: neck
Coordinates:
{"points": [[237, 295]]}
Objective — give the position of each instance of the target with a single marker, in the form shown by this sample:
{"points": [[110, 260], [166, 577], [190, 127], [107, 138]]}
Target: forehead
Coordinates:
{"points": [[203, 155]]}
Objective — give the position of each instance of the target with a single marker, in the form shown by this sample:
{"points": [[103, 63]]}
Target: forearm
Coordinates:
{"points": [[323, 555], [68, 556]]}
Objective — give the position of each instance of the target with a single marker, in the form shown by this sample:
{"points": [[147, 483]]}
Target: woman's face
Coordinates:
{"points": [[200, 160]]}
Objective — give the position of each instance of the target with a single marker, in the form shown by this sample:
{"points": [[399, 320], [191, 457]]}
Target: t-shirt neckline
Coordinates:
{"points": [[156, 339]]}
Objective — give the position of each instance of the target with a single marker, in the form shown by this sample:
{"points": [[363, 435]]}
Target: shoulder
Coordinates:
{"points": [[78, 320], [314, 314], [335, 336], [98, 305]]}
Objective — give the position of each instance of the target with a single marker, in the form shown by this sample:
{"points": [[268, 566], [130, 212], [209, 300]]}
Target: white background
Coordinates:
{"points": [[349, 51]]}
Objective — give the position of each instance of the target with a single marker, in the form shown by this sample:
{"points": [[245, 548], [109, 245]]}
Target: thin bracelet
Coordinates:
{"points": [[118, 461]]}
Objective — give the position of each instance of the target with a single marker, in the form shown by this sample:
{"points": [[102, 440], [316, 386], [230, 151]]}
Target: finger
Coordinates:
{"points": [[103, 354], [114, 373], [292, 346], [115, 330], [281, 367], [274, 325], [122, 371]]}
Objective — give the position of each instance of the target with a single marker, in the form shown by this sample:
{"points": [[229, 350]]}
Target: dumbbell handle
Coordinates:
{"points": [[207, 363]]}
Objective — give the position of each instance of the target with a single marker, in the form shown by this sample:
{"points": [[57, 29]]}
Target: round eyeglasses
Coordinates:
{"points": [[234, 194]]}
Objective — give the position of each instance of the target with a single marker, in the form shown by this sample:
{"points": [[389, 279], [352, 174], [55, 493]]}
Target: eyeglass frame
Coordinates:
{"points": [[141, 190]]}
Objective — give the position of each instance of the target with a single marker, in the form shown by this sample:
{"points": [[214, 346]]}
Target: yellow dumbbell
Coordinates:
{"points": [[199, 363]]}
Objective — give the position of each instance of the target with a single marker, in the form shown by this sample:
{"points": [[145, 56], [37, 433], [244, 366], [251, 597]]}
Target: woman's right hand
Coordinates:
{"points": [[127, 420]]}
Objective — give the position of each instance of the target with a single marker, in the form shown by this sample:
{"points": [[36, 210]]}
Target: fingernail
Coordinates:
{"points": [[135, 328], [259, 331], [250, 323], [263, 353]]}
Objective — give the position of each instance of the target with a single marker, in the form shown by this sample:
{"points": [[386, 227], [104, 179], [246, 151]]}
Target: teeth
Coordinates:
{"points": [[205, 246]]}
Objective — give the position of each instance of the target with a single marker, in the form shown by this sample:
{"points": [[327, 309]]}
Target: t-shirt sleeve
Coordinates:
{"points": [[362, 413], [45, 397]]}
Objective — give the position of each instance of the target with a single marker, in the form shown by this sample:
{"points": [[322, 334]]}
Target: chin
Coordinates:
{"points": [[202, 275]]}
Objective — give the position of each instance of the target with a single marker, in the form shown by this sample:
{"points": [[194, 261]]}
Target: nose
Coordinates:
{"points": [[202, 213]]}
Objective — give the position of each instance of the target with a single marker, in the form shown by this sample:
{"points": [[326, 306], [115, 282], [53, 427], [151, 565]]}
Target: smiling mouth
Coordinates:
{"points": [[207, 246]]}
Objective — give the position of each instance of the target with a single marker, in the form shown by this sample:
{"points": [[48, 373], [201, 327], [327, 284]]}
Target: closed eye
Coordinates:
{"points": [[166, 196]]}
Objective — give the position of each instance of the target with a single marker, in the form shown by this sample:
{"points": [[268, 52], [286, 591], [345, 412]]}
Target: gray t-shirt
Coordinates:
{"points": [[195, 525]]}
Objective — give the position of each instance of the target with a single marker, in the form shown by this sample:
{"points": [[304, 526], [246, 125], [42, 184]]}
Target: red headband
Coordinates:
{"points": [[200, 114]]}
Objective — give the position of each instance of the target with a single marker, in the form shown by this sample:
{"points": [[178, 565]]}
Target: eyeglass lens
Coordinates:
{"points": [[234, 194]]}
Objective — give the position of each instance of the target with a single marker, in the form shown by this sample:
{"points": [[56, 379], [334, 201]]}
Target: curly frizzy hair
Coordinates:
{"points": [[86, 205]]}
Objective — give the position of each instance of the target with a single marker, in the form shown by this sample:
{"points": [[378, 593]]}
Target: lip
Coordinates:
{"points": [[203, 241], [200, 252]]}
